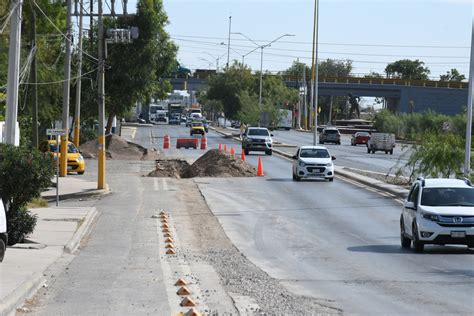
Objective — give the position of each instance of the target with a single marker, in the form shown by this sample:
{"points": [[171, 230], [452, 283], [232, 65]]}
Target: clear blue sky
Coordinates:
{"points": [[198, 27]]}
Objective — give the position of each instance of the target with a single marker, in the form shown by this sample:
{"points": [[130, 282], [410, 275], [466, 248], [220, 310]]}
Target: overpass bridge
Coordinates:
{"points": [[402, 95]]}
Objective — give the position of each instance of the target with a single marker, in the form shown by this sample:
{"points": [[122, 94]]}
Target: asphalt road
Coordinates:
{"points": [[337, 241]]}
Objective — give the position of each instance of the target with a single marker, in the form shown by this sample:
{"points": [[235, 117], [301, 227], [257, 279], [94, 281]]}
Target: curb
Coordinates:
{"points": [[137, 124], [85, 194], [85, 227], [28, 288]]}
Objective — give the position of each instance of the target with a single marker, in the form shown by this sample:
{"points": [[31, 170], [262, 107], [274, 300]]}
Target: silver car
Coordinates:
{"points": [[257, 139]]}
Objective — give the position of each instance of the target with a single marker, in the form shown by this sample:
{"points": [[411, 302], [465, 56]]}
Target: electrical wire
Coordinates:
{"points": [[61, 81], [7, 18], [63, 35]]}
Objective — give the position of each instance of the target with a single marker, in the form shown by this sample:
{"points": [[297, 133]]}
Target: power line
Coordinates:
{"points": [[60, 81], [334, 44]]}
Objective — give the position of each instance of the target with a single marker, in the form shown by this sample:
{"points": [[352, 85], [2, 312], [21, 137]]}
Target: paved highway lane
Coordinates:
{"points": [[336, 241], [347, 155]]}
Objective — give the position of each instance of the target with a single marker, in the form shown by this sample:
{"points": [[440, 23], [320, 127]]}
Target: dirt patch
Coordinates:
{"points": [[212, 164], [119, 149]]}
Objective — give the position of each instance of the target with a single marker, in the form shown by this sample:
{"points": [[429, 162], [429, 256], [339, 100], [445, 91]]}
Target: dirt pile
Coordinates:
{"points": [[212, 164], [119, 149]]}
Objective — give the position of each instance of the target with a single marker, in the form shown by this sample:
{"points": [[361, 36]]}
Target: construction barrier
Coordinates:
{"points": [[187, 143]]}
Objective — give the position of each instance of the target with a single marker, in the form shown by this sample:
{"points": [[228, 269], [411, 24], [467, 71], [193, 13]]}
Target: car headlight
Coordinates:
{"points": [[268, 140], [301, 163], [431, 217], [329, 164]]}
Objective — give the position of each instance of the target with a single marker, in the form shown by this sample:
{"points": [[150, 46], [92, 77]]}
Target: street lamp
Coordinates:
{"points": [[314, 77], [214, 58], [262, 47], [240, 54], [207, 61]]}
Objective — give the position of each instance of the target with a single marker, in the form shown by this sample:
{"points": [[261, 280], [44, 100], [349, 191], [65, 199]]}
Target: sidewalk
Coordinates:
{"points": [[58, 231]]}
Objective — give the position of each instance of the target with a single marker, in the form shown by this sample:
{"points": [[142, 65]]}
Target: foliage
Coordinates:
{"points": [[413, 126], [136, 68], [24, 173], [407, 69], [335, 68], [439, 154], [452, 75]]}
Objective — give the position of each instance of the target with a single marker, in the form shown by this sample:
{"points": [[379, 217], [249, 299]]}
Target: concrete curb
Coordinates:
{"points": [[27, 289], [392, 189], [136, 125], [82, 231], [79, 195]]}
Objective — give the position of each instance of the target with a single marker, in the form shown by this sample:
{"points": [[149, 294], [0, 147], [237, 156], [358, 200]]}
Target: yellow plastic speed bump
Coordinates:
{"points": [[165, 230], [164, 220], [181, 282], [162, 212], [170, 252], [183, 290], [169, 246], [192, 312], [165, 225], [187, 302], [167, 234], [169, 239]]}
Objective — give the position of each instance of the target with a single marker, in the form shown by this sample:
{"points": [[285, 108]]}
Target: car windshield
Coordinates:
{"points": [[197, 124], [258, 132], [447, 197], [362, 134], [331, 131], [71, 149], [314, 153]]}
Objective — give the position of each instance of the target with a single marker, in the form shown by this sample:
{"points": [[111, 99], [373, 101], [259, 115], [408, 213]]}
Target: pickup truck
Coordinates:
{"points": [[381, 142]]}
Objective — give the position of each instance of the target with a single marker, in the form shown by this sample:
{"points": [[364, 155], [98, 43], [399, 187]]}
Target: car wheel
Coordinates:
{"points": [[338, 143], [321, 142], [368, 150], [405, 241], [81, 173], [269, 152], [352, 144], [331, 179], [417, 244], [391, 151], [297, 178], [3, 248], [386, 152], [294, 177]]}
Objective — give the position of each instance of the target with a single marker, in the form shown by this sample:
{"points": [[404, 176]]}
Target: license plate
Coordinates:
{"points": [[69, 167], [458, 234]]}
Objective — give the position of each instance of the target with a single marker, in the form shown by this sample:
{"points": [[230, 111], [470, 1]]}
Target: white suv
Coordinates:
{"points": [[438, 211]]}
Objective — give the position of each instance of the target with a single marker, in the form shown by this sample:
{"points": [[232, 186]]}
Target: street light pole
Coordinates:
{"points": [[315, 71], [467, 157], [101, 85]]}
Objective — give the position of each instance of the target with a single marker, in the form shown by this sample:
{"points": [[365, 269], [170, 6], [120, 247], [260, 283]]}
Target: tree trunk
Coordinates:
{"points": [[110, 121]]}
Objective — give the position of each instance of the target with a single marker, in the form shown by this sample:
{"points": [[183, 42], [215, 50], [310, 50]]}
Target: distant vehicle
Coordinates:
{"points": [[330, 135], [174, 120], [381, 142], [174, 109], [197, 128], [195, 110], [195, 116], [286, 119], [205, 123], [3, 231], [75, 161], [313, 162], [360, 138], [183, 119], [438, 211], [257, 139], [161, 116], [188, 121]]}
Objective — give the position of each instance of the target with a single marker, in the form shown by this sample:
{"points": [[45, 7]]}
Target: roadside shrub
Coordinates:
{"points": [[24, 174]]}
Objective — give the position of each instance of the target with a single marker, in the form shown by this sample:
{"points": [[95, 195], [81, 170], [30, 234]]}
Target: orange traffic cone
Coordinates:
{"points": [[232, 152], [260, 168], [243, 155], [166, 142], [220, 147], [225, 148]]}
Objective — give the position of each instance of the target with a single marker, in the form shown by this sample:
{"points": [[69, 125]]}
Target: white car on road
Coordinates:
{"points": [[3, 231], [313, 162], [438, 211]]}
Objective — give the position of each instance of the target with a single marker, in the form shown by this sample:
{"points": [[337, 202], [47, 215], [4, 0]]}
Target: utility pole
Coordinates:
{"points": [[467, 157], [13, 73], [228, 41], [77, 116], [314, 79], [101, 98], [34, 92], [305, 84], [66, 91]]}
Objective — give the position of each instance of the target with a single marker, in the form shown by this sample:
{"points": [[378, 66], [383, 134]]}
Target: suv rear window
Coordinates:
{"points": [[258, 132], [331, 131]]}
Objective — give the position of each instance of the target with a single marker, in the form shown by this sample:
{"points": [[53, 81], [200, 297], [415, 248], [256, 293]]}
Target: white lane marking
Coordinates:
{"points": [[134, 132], [155, 184], [165, 184]]}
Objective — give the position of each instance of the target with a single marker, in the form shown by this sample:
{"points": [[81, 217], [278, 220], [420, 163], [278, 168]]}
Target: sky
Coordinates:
{"points": [[372, 33]]}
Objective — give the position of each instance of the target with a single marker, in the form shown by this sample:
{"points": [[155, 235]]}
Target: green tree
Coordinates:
{"points": [[335, 68], [407, 69], [452, 75], [136, 68]]}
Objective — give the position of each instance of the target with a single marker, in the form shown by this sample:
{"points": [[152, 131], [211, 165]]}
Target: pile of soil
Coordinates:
{"points": [[118, 148], [212, 164]]}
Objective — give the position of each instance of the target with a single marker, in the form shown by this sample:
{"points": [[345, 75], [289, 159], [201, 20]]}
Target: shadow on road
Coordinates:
{"points": [[429, 250]]}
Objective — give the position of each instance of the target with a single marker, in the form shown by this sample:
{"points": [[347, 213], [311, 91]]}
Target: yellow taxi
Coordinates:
{"points": [[75, 161], [197, 127]]}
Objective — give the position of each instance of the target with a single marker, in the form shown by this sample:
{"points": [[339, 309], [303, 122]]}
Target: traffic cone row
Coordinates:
{"points": [[242, 156]]}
